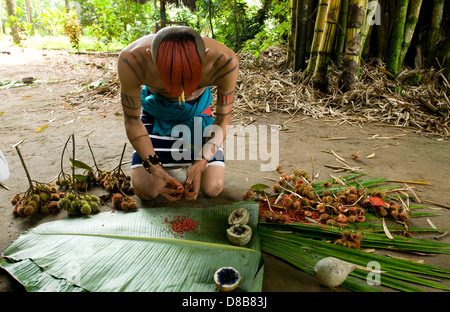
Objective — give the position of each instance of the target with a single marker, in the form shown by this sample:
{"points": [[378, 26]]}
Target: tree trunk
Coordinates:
{"points": [[353, 45], [433, 34], [318, 32], [410, 26], [320, 71], [11, 10], [342, 28], [300, 38], [392, 64]]}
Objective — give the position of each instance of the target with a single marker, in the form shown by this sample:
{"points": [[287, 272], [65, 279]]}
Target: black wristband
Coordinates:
{"points": [[151, 160]]}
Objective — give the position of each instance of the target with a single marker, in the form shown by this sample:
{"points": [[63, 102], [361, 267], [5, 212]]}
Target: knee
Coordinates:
{"points": [[212, 188], [143, 188]]}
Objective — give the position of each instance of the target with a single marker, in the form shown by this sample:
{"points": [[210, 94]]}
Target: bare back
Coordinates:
{"points": [[136, 68]]}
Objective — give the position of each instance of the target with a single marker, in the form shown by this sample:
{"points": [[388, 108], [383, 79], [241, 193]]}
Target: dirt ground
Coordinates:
{"points": [[56, 98]]}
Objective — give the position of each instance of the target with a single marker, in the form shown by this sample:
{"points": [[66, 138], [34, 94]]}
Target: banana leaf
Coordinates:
{"points": [[134, 251]]}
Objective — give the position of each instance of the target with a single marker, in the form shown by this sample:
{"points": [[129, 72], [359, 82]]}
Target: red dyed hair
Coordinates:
{"points": [[179, 66]]}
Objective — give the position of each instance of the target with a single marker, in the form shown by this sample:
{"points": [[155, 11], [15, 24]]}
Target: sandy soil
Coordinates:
{"points": [[58, 98]]}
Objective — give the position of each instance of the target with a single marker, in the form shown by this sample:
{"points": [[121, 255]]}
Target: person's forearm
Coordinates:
{"points": [[138, 136], [217, 137]]}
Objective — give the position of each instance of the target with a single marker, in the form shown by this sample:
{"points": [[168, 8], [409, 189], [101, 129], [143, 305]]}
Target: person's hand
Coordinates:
{"points": [[169, 187], [193, 179]]}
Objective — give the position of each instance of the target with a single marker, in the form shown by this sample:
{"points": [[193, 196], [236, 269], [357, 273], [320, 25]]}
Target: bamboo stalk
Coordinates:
{"points": [[433, 34], [291, 45], [392, 64], [353, 44], [301, 30], [318, 33], [368, 22], [326, 45], [340, 40], [410, 25]]}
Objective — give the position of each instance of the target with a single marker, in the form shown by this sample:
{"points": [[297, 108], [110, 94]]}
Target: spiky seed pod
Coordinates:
{"points": [[328, 184], [304, 202], [94, 207], [321, 208], [132, 206], [352, 198], [29, 210], [324, 217], [338, 242], [326, 193], [85, 209], [404, 216], [382, 212], [249, 195], [117, 199], [64, 204], [124, 206], [35, 198], [33, 204], [351, 219], [297, 172], [331, 222], [44, 209], [53, 206], [54, 196], [341, 218], [327, 200], [395, 214], [16, 199], [296, 206], [276, 187]]}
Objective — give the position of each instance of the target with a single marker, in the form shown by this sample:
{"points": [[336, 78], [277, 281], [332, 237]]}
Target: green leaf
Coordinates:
{"points": [[80, 164], [259, 187], [135, 251], [80, 177]]}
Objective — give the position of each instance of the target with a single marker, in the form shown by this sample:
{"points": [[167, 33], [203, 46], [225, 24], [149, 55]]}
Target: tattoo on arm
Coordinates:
{"points": [[215, 76], [138, 137], [136, 67], [130, 102], [225, 74], [225, 99], [128, 116]]}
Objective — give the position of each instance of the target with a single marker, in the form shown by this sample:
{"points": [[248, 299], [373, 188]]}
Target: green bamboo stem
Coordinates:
{"points": [[340, 40], [410, 25], [318, 33], [398, 30], [433, 35], [367, 24]]}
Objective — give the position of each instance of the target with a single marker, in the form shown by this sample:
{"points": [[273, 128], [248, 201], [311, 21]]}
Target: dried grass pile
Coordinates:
{"points": [[265, 85]]}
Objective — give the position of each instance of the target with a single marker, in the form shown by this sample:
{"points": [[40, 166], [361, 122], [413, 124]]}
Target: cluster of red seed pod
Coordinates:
{"points": [[350, 239], [294, 199], [41, 198], [124, 202]]}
